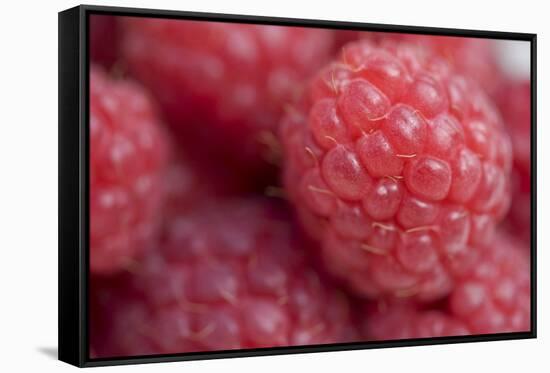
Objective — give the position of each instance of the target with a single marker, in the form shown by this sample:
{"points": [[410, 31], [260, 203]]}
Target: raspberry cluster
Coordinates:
{"points": [[256, 186]]}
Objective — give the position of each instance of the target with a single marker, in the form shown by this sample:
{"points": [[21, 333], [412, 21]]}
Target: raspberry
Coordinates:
{"points": [[228, 276], [395, 163], [490, 296], [127, 161], [227, 79], [103, 40], [514, 102], [493, 294]]}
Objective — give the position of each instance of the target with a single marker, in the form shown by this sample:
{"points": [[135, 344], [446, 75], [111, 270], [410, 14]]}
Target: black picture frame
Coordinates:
{"points": [[74, 190]]}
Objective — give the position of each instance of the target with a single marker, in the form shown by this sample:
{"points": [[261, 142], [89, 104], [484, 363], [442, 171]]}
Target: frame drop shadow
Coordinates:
{"points": [[51, 352]]}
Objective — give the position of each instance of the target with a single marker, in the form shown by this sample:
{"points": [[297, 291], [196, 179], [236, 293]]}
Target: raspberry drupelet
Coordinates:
{"points": [[230, 80], [227, 276], [395, 163], [127, 165], [492, 295]]}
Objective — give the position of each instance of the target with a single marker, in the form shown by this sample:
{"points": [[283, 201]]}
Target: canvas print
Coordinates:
{"points": [[259, 186]]}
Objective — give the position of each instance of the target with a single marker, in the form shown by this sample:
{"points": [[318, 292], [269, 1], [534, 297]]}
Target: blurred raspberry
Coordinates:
{"points": [[395, 163], [223, 86], [491, 295], [231, 275], [514, 102], [127, 164], [492, 288], [103, 40]]}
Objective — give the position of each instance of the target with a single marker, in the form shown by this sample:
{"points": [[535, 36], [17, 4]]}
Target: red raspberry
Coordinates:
{"points": [[227, 79], [103, 39], [127, 160], [490, 296], [514, 102], [228, 276], [493, 288], [395, 163]]}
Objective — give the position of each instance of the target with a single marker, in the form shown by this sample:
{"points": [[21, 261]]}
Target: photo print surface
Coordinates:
{"points": [[260, 186]]}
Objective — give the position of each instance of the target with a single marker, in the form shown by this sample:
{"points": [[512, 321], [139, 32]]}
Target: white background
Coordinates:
{"points": [[28, 185]]}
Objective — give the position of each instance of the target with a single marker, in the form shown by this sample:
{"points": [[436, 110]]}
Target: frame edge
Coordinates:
{"points": [[69, 249]]}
